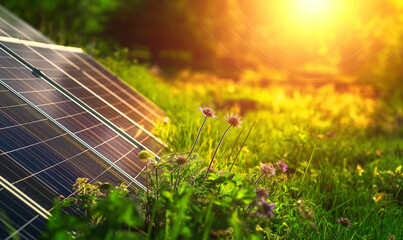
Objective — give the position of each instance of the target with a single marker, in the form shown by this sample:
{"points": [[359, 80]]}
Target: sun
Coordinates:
{"points": [[312, 7], [312, 14]]}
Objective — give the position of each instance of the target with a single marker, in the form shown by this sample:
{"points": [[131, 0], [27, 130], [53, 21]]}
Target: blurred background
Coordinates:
{"points": [[261, 42]]}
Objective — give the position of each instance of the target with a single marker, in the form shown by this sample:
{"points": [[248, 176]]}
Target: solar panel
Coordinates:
{"points": [[138, 108], [41, 160], [12, 26], [88, 90], [69, 115], [63, 116], [94, 68]]}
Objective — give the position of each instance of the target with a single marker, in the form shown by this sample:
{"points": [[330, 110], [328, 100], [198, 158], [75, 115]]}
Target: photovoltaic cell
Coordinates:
{"points": [[31, 142], [102, 86], [41, 160], [12, 26], [78, 121], [19, 214], [87, 90], [88, 64], [68, 114]]}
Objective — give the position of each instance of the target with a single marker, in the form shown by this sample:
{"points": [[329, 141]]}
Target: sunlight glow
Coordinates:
{"points": [[313, 20], [313, 7], [312, 12]]}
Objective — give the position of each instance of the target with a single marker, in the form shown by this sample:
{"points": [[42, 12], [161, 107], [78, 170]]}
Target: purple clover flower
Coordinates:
{"points": [[266, 208], [282, 165], [207, 112]]}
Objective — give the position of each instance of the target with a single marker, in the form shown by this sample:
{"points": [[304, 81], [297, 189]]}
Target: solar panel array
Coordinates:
{"points": [[62, 116]]}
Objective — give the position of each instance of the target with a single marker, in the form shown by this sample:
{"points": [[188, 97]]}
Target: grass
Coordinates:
{"points": [[343, 147]]}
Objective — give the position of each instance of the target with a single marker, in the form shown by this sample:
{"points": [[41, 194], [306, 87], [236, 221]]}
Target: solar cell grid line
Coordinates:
{"points": [[10, 30], [87, 129], [19, 215], [13, 167], [92, 65], [47, 157], [3, 34], [106, 91], [18, 28], [65, 82], [85, 74], [96, 88], [139, 102], [101, 145], [124, 87]]}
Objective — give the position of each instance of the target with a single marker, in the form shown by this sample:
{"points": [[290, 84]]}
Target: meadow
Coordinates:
{"points": [[342, 144]]}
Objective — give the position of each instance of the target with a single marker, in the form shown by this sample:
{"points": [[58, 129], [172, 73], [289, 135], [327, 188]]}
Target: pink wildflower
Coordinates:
{"points": [[282, 165], [267, 169], [207, 112], [233, 119]]}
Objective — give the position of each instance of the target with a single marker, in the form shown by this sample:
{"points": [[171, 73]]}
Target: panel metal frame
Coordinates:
{"points": [[24, 198]]}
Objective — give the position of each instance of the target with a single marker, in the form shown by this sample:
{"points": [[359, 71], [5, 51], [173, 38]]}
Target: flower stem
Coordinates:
{"points": [[233, 147], [148, 196], [338, 233], [147, 180], [215, 152], [258, 179], [156, 180], [197, 138], [177, 178], [243, 144]]}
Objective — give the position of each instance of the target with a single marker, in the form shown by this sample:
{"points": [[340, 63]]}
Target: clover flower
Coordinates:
{"points": [[233, 119], [267, 169], [261, 192], [345, 222], [181, 160], [266, 209], [222, 172], [211, 170], [207, 112], [282, 165]]}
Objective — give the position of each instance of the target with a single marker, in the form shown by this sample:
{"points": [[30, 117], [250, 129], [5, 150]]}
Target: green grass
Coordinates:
{"points": [[341, 146]]}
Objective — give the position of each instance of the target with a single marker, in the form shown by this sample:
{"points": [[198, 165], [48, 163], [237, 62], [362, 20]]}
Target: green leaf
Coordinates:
{"points": [[68, 202]]}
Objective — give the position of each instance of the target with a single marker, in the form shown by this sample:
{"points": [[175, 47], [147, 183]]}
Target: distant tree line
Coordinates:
{"points": [[156, 25], [218, 35]]}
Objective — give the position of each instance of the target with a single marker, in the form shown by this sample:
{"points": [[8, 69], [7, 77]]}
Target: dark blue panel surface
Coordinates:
{"points": [[81, 86], [70, 115], [19, 215], [42, 160]]}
